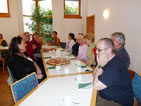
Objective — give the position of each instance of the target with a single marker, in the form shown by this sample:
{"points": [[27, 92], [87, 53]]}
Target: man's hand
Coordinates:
{"points": [[102, 60]]}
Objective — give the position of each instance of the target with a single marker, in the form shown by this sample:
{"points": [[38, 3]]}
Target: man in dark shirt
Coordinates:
{"points": [[118, 39], [111, 76]]}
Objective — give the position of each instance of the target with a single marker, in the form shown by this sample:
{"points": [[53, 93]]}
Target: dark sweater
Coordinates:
{"points": [[75, 49], [20, 67]]}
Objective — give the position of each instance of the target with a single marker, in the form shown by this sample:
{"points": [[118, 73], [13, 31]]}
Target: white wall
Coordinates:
{"points": [[65, 26], [12, 26], [124, 17]]}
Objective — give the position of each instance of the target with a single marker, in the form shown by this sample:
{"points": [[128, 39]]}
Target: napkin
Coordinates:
{"points": [[52, 67], [48, 57], [73, 58], [84, 66], [85, 85]]}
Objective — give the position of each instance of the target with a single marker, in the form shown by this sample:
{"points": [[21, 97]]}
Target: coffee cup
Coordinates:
{"points": [[66, 70], [79, 78], [79, 69], [58, 68], [78, 63], [67, 101]]}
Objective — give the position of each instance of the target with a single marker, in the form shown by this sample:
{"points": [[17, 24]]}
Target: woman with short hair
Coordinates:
{"points": [[89, 40], [82, 52]]}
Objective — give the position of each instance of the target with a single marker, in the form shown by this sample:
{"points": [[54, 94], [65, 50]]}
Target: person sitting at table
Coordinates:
{"points": [[75, 47], [111, 77], [36, 46], [32, 51], [71, 42], [82, 52], [55, 41], [119, 42], [20, 64], [89, 39], [3, 43], [29, 49]]}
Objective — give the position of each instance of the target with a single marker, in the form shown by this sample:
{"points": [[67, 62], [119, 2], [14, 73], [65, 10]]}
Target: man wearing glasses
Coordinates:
{"points": [[111, 77]]}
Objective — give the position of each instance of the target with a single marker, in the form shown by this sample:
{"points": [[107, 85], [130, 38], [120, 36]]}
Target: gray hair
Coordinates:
{"points": [[120, 37], [108, 43]]}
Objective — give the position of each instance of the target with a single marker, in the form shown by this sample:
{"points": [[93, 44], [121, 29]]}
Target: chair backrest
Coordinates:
{"points": [[63, 44], [136, 84], [131, 72], [22, 87], [11, 75]]}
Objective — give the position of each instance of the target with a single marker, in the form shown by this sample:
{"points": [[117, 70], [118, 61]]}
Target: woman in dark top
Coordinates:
{"points": [[19, 64], [75, 47]]}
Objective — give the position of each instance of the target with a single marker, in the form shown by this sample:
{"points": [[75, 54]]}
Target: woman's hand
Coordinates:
{"points": [[38, 70], [39, 76]]}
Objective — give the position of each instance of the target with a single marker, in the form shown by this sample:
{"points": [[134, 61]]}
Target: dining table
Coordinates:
{"points": [[53, 91], [75, 66], [70, 81]]}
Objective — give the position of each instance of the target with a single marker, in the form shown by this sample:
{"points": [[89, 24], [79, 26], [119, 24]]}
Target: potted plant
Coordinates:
{"points": [[41, 23]]}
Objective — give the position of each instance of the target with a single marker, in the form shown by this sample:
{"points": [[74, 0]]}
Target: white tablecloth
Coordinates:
{"points": [[52, 91]]}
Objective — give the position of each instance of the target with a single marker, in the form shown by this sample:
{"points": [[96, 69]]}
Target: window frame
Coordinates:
{"points": [[36, 5], [73, 16], [7, 15]]}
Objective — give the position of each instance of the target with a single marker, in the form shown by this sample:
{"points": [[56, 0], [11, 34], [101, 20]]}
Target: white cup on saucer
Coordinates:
{"points": [[66, 70], [79, 69], [63, 53], [79, 78], [50, 51], [67, 101], [78, 63], [53, 51], [58, 68]]}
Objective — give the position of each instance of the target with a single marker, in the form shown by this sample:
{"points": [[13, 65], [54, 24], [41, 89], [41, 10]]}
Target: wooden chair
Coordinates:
{"points": [[22, 87], [131, 72]]}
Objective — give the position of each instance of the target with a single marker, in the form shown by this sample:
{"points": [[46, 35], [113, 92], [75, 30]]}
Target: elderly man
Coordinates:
{"points": [[111, 77], [118, 39], [29, 49]]}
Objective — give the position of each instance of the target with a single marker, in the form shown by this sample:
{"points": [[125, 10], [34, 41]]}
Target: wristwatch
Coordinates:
{"points": [[100, 67]]}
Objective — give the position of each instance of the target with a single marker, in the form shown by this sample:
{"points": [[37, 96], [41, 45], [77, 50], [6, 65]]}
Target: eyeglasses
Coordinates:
{"points": [[99, 50]]}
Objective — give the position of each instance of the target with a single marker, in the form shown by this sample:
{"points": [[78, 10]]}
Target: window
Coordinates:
{"points": [[4, 8], [45, 10], [72, 8], [27, 6]]}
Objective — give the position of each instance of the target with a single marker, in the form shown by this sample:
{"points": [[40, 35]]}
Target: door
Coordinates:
{"points": [[90, 24]]}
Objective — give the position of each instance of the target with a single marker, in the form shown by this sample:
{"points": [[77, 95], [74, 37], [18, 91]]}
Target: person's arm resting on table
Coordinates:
{"points": [[98, 85]]}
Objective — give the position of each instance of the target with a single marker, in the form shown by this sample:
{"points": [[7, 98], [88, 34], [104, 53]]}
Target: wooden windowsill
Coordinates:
{"points": [[73, 16], [6, 15]]}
